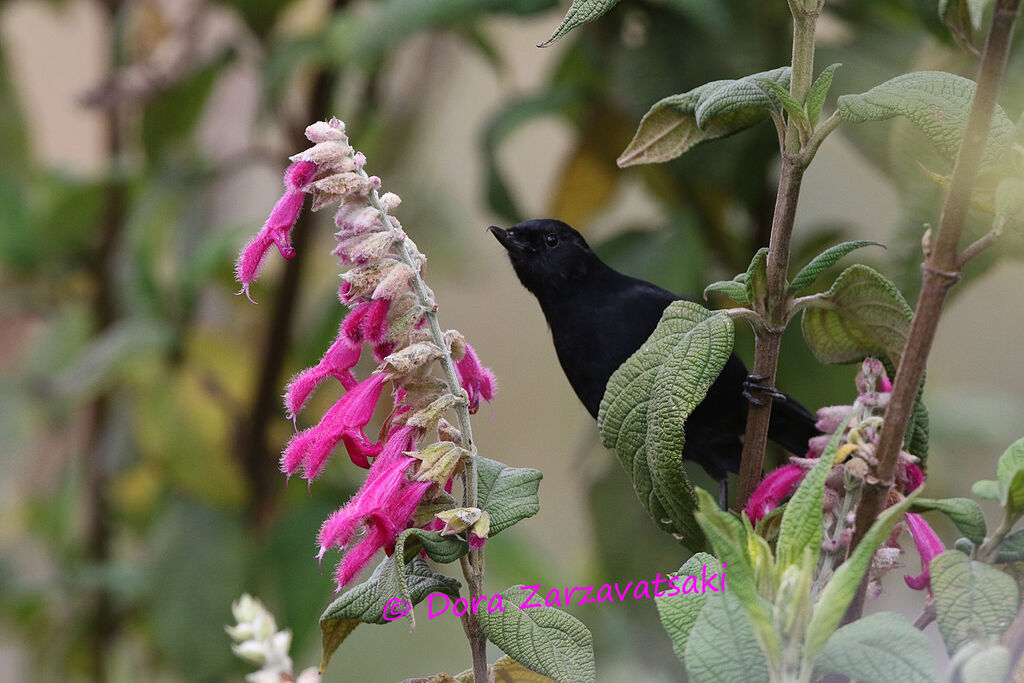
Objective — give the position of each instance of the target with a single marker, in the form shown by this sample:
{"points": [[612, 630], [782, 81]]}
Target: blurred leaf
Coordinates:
{"points": [[972, 599], [679, 612], [722, 647], [647, 401], [514, 114], [546, 640], [879, 648], [825, 260], [589, 178], [1010, 471], [840, 589], [171, 115], [964, 513], [986, 489], [13, 134], [1009, 203], [937, 103], [1011, 548], [818, 92], [261, 15], [866, 315], [677, 123], [979, 662], [509, 494], [580, 12], [963, 17], [365, 603]]}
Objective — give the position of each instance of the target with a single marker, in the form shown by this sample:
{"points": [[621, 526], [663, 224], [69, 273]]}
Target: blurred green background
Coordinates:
{"points": [[141, 144]]}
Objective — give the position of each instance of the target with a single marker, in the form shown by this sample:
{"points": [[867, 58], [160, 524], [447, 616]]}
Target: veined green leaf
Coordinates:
{"points": [[818, 92], [793, 108], [736, 291], [679, 612], [1010, 472], [544, 639], [580, 12], [936, 103], [825, 260], [964, 512], [677, 123], [722, 647], [879, 648], [756, 282], [973, 600]]}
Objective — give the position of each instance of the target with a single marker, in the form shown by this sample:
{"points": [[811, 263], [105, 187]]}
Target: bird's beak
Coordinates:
{"points": [[512, 245]]}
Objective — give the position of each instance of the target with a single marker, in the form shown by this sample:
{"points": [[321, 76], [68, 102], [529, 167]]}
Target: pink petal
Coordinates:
{"points": [[478, 381], [772, 489], [929, 545], [374, 324]]}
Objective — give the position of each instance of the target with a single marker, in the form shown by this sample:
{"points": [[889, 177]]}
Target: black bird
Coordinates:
{"points": [[599, 317]]}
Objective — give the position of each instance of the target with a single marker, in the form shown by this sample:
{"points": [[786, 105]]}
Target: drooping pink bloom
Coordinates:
{"points": [[772, 489], [929, 545], [367, 322], [476, 542], [384, 506], [337, 362], [478, 381], [344, 422], [278, 227]]}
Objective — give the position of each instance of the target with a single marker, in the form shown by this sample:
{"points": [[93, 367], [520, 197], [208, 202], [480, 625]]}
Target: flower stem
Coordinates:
{"points": [[473, 564], [769, 340], [940, 271]]}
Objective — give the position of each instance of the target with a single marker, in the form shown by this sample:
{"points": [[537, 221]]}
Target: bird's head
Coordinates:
{"points": [[546, 254]]}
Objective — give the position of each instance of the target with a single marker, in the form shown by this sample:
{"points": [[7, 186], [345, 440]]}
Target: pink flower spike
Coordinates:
{"points": [[772, 489], [478, 381], [296, 451], [929, 545], [277, 227]]}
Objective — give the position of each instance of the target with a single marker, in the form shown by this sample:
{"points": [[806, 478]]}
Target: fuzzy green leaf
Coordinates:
{"points": [[864, 314], [936, 103], [818, 92], [580, 12], [722, 647], [509, 494], [365, 603], [840, 589], [732, 289], [756, 281], [825, 260], [793, 108], [801, 522], [879, 648], [544, 639], [964, 513], [979, 662], [972, 599], [679, 612], [986, 489], [1010, 472], [677, 123], [1011, 548], [647, 401]]}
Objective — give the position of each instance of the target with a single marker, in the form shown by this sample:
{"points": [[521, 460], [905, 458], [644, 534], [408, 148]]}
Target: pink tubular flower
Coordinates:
{"points": [[929, 545], [337, 362], [344, 422], [384, 506], [772, 489], [478, 381], [278, 227]]}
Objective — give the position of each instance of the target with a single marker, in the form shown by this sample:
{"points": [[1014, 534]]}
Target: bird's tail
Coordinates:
{"points": [[792, 426]]}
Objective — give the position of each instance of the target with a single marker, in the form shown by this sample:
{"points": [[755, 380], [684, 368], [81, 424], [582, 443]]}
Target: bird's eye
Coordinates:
{"points": [[551, 239]]}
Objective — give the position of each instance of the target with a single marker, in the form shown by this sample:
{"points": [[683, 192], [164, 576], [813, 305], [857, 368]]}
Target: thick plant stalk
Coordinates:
{"points": [[769, 339], [940, 271]]}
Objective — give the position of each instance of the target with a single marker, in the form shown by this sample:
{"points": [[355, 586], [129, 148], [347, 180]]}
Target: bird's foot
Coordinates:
{"points": [[752, 386], [723, 494]]}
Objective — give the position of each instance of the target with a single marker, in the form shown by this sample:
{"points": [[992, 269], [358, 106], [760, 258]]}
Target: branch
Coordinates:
{"points": [[940, 271]]}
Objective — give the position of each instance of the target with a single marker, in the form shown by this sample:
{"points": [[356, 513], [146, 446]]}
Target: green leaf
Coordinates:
{"points": [[677, 123], [509, 494], [879, 648], [722, 647], [647, 401], [986, 489], [964, 512], [1010, 472], [728, 539], [580, 12], [936, 103], [862, 314], [365, 603], [818, 92], [732, 289], [1011, 548], [679, 612], [962, 15], [972, 599], [979, 662], [825, 260], [756, 282], [443, 549], [793, 108], [801, 522], [840, 589], [543, 639]]}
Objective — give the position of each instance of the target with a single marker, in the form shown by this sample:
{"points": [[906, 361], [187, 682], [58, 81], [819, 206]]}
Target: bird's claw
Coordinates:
{"points": [[753, 384]]}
